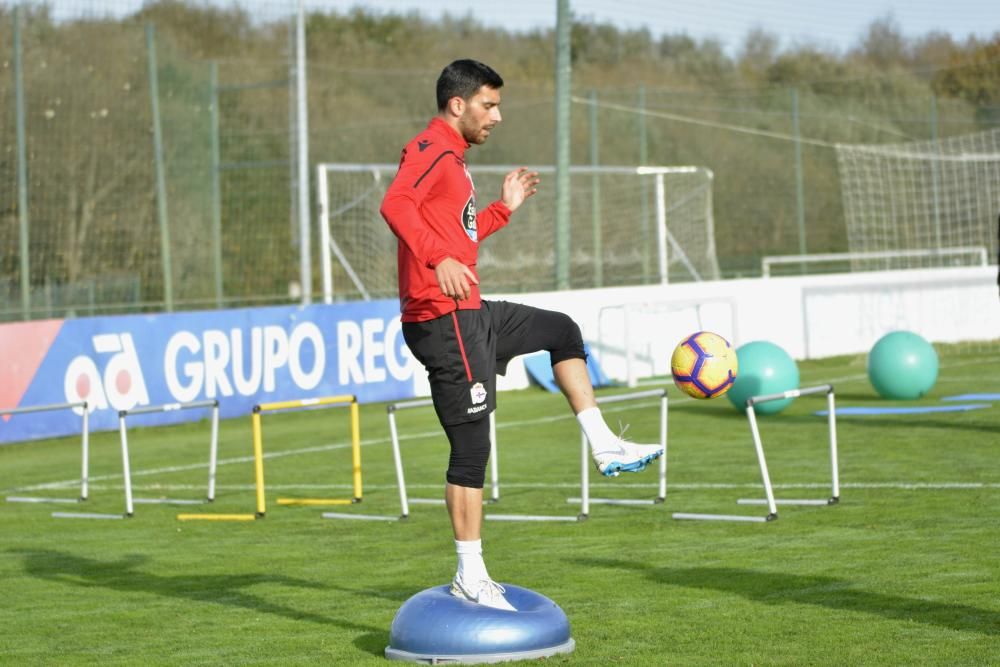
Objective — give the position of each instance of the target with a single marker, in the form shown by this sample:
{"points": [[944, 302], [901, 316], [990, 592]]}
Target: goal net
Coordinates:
{"points": [[912, 205], [630, 226]]}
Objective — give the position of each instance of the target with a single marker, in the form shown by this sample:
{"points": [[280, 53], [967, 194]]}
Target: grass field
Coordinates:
{"points": [[903, 571]]}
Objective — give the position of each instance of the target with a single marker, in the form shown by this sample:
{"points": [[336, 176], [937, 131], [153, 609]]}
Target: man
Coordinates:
{"points": [[461, 340]]}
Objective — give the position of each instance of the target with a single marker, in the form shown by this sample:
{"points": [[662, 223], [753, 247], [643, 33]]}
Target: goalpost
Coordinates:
{"points": [[650, 225], [905, 203]]}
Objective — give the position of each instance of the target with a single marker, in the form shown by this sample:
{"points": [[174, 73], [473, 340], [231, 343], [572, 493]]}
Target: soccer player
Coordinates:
{"points": [[462, 340]]}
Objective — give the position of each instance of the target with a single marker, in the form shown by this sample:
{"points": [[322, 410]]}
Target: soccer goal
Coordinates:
{"points": [[921, 197], [649, 225]]}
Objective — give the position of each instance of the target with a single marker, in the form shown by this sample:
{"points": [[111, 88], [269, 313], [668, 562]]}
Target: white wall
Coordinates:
{"points": [[810, 317]]}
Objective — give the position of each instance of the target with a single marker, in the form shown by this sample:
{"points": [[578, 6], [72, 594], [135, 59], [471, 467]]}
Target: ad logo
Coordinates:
{"points": [[121, 386]]}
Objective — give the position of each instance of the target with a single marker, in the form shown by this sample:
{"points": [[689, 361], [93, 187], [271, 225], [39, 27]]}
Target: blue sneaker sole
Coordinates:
{"points": [[616, 467]]}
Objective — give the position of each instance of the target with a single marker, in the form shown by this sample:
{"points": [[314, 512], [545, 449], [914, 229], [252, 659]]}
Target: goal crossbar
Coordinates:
{"points": [[662, 219], [979, 254]]}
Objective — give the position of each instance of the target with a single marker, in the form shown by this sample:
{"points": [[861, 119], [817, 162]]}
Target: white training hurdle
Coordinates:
{"points": [[404, 500], [832, 429], [84, 447], [130, 502], [126, 465], [585, 462], [585, 459], [769, 499]]}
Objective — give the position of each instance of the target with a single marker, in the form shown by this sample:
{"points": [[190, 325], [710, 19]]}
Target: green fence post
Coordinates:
{"points": [[161, 181], [595, 194], [644, 184], [562, 108], [936, 172], [216, 186], [800, 203], [22, 170]]}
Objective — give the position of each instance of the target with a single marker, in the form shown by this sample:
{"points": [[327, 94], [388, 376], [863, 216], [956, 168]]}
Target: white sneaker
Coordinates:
{"points": [[624, 456], [485, 591]]}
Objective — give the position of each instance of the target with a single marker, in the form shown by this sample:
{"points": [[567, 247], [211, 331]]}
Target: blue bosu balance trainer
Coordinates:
{"points": [[435, 627]]}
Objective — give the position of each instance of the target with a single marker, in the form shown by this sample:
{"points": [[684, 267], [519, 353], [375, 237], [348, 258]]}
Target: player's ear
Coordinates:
{"points": [[456, 106]]}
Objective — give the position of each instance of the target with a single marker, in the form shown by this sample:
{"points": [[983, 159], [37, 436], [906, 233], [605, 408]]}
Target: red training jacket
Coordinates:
{"points": [[431, 208]]}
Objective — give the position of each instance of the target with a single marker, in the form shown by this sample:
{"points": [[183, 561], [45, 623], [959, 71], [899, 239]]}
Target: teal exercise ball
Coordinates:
{"points": [[765, 368], [902, 366]]}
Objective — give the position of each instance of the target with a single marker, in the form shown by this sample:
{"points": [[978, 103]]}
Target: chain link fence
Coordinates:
{"points": [[148, 153]]}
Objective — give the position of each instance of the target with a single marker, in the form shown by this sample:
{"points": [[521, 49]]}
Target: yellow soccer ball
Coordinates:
{"points": [[704, 365]]}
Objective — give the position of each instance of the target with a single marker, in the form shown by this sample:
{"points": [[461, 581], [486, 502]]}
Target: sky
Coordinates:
{"points": [[837, 24], [829, 24]]}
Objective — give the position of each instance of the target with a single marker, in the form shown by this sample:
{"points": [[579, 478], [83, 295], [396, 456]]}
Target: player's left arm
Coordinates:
{"points": [[517, 187]]}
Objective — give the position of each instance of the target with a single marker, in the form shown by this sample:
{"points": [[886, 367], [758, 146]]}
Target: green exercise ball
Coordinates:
{"points": [[765, 368], [902, 366]]}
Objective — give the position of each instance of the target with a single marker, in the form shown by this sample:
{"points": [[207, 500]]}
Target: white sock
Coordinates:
{"points": [[471, 566], [594, 427]]}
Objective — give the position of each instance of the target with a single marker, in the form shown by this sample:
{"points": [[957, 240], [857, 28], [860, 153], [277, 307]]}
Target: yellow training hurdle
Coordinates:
{"points": [[329, 401], [258, 458]]}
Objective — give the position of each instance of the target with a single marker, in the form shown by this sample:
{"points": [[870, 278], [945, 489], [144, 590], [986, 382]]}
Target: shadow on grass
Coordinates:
{"points": [[376, 642], [775, 588], [394, 595], [123, 575]]}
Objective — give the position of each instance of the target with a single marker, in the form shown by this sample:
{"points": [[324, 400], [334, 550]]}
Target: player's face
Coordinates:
{"points": [[480, 115]]}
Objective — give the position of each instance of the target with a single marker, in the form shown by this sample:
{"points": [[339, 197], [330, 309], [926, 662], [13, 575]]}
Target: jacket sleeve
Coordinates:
{"points": [[401, 206], [492, 218]]}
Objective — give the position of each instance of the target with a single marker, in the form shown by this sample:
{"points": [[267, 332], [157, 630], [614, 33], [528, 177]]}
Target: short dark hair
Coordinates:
{"points": [[463, 78]]}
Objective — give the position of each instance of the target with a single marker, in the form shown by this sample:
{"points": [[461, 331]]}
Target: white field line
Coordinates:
{"points": [[906, 486]]}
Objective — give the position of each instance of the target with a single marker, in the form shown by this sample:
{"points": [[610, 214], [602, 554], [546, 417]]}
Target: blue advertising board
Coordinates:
{"points": [[239, 357]]}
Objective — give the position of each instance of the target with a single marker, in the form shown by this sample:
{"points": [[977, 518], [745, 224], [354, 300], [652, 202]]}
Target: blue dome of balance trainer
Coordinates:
{"points": [[436, 625]]}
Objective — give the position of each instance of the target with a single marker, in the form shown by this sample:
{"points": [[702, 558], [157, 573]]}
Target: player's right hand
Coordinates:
{"points": [[455, 279]]}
